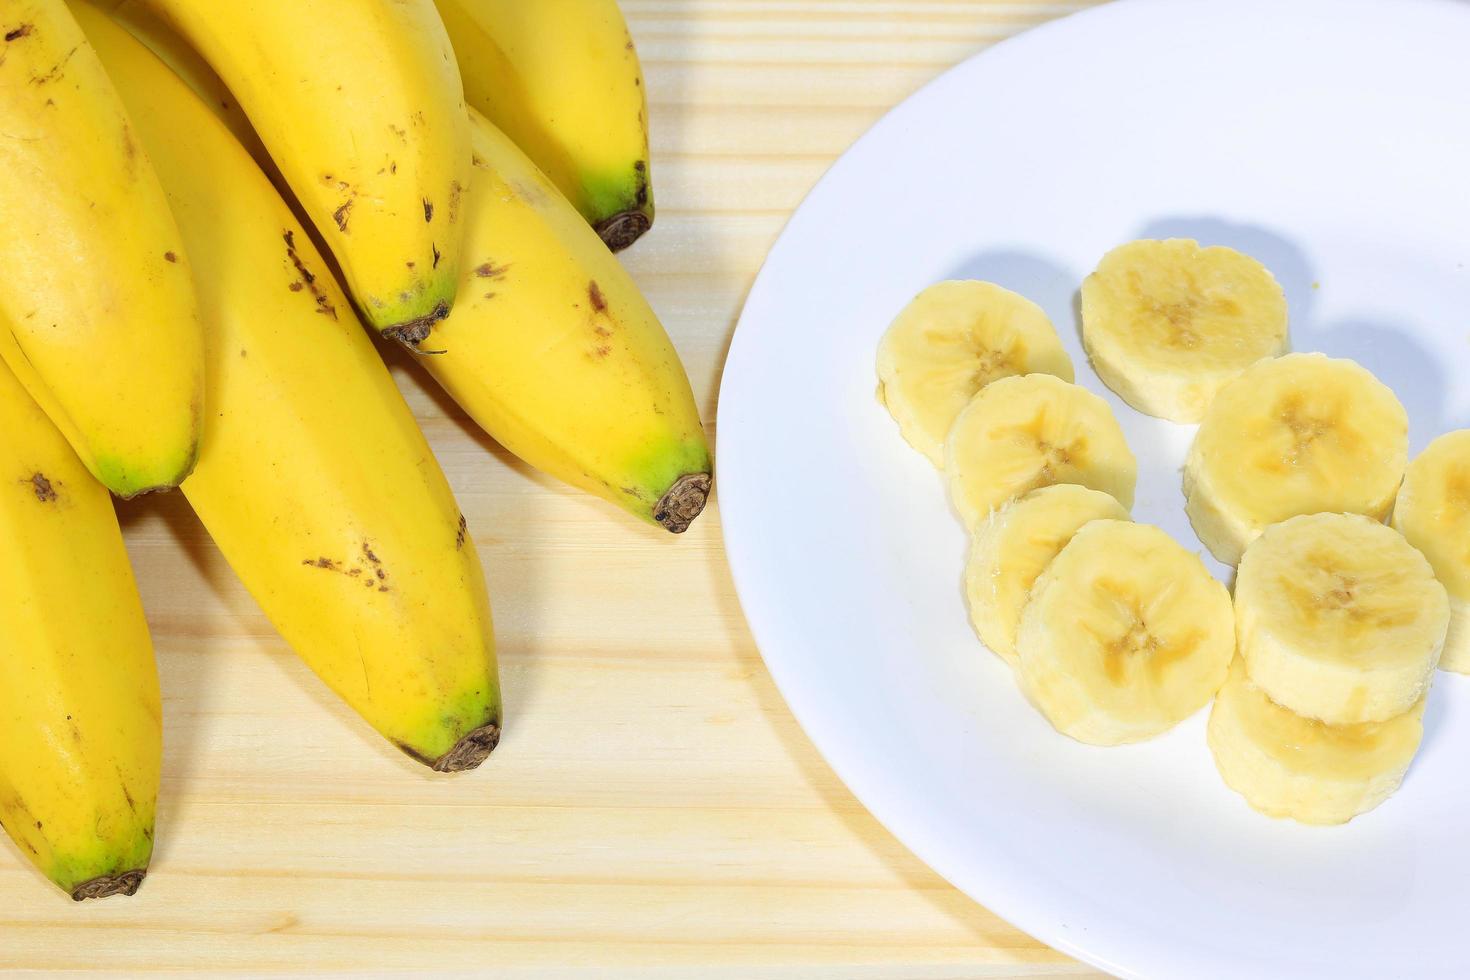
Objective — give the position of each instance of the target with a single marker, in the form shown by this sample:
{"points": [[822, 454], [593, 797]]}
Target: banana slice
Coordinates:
{"points": [[1299, 434], [1167, 323], [1433, 512], [1019, 434], [1012, 549], [1339, 618], [954, 339], [1289, 766], [1125, 635]]}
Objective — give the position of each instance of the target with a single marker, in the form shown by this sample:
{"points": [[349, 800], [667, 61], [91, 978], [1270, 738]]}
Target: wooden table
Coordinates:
{"points": [[654, 809]]}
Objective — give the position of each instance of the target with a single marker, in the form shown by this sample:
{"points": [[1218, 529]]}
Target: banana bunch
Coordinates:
{"points": [[211, 209], [1320, 664]]}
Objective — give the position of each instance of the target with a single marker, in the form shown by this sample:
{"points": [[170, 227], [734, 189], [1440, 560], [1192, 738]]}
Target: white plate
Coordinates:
{"points": [[1331, 140]]}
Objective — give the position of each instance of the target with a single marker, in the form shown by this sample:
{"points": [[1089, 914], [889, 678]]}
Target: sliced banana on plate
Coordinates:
{"points": [[954, 339], [1019, 434], [1168, 323], [1433, 512], [1011, 550], [1299, 434], [1125, 635], [1289, 766], [1339, 618]]}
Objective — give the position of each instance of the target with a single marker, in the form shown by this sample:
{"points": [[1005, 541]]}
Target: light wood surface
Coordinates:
{"points": [[654, 809]]}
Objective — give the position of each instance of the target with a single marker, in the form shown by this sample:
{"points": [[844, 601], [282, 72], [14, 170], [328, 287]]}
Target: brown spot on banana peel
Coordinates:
{"points": [[42, 488], [683, 502], [464, 530], [105, 886], [56, 71], [467, 753], [308, 278], [489, 270], [428, 211], [16, 34], [170, 257], [342, 215], [594, 293]]}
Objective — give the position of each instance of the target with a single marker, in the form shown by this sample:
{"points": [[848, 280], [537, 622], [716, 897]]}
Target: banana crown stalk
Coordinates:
{"points": [[81, 735], [360, 105], [97, 310], [315, 481]]}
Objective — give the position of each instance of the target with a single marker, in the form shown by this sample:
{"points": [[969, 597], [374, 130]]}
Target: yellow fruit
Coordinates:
{"points": [[1300, 434], [555, 353], [360, 104], [81, 738], [97, 310], [561, 78], [1289, 766], [1011, 550], [1167, 324], [1433, 512], [314, 480], [1339, 618], [1026, 432], [954, 339], [1125, 635]]}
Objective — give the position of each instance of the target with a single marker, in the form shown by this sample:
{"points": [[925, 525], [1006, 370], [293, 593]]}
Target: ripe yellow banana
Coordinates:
{"points": [[315, 481], [562, 79], [95, 293], [360, 105], [554, 351], [81, 736]]}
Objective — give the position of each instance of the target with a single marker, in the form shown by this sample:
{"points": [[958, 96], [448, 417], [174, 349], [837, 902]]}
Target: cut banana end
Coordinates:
{"points": [[1011, 550], [1299, 434], [1289, 766], [1125, 635], [1339, 618], [1019, 434], [1167, 324], [1433, 512], [954, 339]]}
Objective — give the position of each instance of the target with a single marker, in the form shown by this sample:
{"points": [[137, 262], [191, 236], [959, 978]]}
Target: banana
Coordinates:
{"points": [[1011, 550], [1289, 766], [360, 105], [556, 354], [561, 78], [954, 339], [96, 296], [81, 737], [315, 481], [1299, 434], [1125, 635], [1031, 431], [1433, 513], [1167, 323], [1339, 618]]}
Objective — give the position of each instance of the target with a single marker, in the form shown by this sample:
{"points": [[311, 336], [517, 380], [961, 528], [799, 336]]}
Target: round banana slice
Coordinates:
{"points": [[1167, 323], [1299, 434], [1289, 766], [1339, 618], [954, 339], [1011, 550], [1019, 434], [1433, 512], [1125, 635]]}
